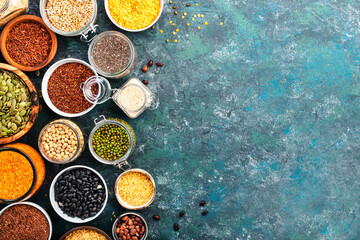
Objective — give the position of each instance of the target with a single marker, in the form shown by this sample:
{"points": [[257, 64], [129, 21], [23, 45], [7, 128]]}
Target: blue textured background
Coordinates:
{"points": [[259, 117]]}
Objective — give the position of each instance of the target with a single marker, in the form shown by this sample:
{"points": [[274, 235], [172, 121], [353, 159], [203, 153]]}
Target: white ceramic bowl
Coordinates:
{"points": [[45, 81], [131, 30], [36, 206], [56, 207]]}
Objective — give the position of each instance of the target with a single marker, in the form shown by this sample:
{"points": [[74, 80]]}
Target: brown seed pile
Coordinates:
{"points": [[24, 222], [130, 227], [69, 15], [64, 87], [111, 54]]}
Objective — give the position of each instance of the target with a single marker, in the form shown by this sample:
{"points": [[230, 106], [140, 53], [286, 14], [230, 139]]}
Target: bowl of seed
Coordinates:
{"points": [[19, 104], [69, 17], [85, 233], [130, 226], [112, 141], [78, 194], [135, 189], [61, 87], [25, 220], [134, 16]]}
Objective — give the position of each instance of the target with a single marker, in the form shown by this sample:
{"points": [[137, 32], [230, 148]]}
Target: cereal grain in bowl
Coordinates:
{"points": [[24, 221], [69, 15], [85, 234], [64, 87], [135, 189]]}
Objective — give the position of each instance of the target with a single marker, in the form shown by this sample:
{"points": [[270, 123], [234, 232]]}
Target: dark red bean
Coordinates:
{"points": [[176, 227], [146, 82], [182, 214], [205, 212], [156, 217], [159, 64], [202, 203], [188, 4], [150, 63]]}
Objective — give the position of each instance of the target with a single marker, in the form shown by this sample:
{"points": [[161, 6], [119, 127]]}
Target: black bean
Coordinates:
{"points": [[92, 214], [205, 212], [182, 214]]}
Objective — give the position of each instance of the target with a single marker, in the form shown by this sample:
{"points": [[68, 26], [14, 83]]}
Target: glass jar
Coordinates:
{"points": [[84, 32], [30, 190], [78, 139], [132, 58], [133, 97], [10, 9], [122, 161]]}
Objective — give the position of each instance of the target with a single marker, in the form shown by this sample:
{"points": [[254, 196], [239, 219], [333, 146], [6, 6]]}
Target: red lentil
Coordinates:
{"points": [[64, 87], [28, 43]]}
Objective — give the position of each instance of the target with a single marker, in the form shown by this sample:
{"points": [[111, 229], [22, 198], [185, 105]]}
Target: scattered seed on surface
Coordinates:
{"points": [[195, 16], [170, 2], [199, 15], [173, 24], [202, 15], [170, 22], [156, 217], [159, 64], [174, 7], [175, 41], [175, 12], [153, 27], [145, 68], [145, 82], [182, 214], [193, 19], [197, 4], [188, 24], [188, 4], [161, 31], [176, 30], [185, 13], [174, 33], [150, 63], [167, 40], [202, 203], [182, 17], [199, 27], [206, 23], [221, 23], [176, 227], [205, 212]]}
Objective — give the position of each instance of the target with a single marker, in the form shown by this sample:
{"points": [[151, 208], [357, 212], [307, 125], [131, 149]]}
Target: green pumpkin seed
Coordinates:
{"points": [[22, 113], [14, 126]]}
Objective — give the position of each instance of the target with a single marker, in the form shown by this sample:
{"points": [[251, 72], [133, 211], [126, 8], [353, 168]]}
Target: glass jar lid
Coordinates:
{"points": [[97, 89]]}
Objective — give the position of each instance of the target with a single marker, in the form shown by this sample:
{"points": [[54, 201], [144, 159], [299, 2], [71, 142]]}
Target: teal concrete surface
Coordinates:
{"points": [[258, 116]]}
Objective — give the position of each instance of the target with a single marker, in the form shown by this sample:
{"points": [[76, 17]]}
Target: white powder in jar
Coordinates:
{"points": [[131, 98]]}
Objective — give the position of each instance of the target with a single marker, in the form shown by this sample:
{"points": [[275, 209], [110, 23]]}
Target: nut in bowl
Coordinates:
{"points": [[78, 194], [135, 189], [130, 226], [134, 16]]}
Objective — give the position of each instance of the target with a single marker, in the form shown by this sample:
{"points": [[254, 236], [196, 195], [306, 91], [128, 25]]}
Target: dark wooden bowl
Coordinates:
{"points": [[35, 104], [5, 33], [85, 227]]}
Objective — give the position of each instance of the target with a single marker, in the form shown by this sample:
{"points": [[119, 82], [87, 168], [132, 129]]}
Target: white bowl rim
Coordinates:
{"points": [[132, 30], [55, 205], [45, 81], [42, 210]]}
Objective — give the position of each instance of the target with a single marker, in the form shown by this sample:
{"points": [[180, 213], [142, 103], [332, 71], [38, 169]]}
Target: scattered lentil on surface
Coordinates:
{"points": [[111, 53], [24, 222], [69, 15], [64, 87], [16, 175], [134, 15], [85, 234], [135, 188], [28, 43]]}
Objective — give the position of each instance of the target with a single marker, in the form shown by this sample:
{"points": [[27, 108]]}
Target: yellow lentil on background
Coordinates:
{"points": [[175, 41], [174, 33], [206, 23], [195, 16], [199, 15], [135, 188], [193, 19], [173, 24], [170, 22], [188, 24], [197, 4], [167, 40], [185, 13], [176, 30], [202, 15], [134, 14], [161, 31], [221, 23], [182, 17], [199, 27]]}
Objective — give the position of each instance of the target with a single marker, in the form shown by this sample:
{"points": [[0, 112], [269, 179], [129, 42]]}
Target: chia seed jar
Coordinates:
{"points": [[98, 154], [112, 54], [48, 131]]}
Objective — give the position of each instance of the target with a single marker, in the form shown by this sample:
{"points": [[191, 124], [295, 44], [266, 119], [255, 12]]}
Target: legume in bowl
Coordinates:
{"points": [[61, 87], [85, 233], [134, 16]]}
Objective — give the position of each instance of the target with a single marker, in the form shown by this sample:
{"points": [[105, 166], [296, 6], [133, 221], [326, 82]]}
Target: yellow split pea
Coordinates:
{"points": [[134, 15]]}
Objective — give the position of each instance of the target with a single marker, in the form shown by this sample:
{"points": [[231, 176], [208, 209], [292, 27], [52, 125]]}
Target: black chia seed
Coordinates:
{"points": [[111, 54]]}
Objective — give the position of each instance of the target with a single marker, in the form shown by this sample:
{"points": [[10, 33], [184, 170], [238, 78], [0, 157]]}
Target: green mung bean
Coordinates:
{"points": [[111, 142]]}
